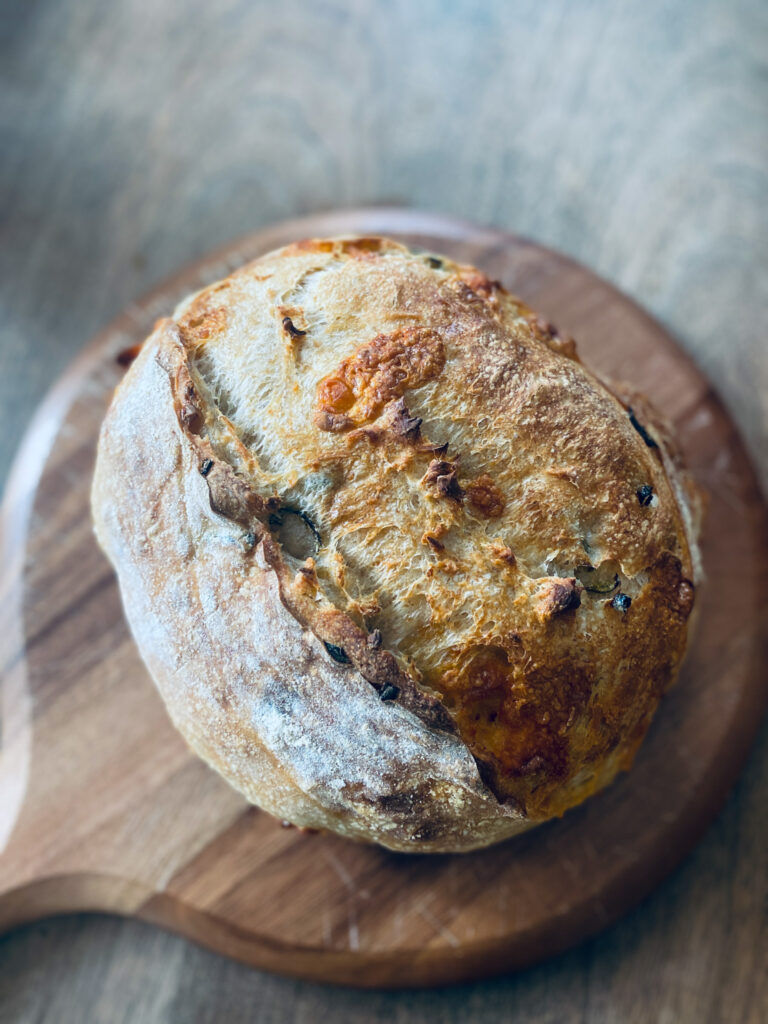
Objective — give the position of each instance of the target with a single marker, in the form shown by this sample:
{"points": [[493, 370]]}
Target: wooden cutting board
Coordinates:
{"points": [[103, 808]]}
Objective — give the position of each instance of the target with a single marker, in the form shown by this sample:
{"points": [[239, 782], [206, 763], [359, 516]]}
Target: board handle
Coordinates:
{"points": [[67, 893]]}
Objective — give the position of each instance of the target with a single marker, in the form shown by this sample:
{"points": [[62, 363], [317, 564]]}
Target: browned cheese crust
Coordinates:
{"points": [[400, 566]]}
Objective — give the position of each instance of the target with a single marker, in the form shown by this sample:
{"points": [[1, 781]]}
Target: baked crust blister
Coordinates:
{"points": [[400, 566]]}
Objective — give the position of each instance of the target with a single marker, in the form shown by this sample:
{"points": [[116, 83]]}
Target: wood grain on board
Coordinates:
{"points": [[104, 808]]}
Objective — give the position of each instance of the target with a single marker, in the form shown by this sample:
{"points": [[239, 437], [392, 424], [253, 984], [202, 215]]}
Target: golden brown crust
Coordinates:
{"points": [[500, 549]]}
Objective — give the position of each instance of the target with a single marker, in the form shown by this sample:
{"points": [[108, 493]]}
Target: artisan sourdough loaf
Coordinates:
{"points": [[400, 566]]}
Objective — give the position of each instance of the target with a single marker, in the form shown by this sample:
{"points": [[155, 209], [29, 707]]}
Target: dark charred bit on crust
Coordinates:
{"points": [[546, 328], [427, 448], [337, 653], [543, 326], [645, 495], [504, 553], [402, 423], [433, 542], [396, 422], [435, 263], [562, 596], [478, 282], [641, 429], [441, 480], [375, 639], [621, 602], [389, 692], [547, 332], [126, 356], [291, 330], [205, 467]]}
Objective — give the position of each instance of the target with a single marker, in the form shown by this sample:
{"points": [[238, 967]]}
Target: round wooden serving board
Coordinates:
{"points": [[102, 807]]}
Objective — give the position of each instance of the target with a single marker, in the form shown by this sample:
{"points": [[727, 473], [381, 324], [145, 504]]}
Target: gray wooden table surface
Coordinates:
{"points": [[137, 134]]}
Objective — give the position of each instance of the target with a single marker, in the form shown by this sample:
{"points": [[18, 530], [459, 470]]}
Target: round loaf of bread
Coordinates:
{"points": [[399, 565]]}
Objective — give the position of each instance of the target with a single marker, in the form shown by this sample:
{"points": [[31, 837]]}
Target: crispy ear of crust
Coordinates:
{"points": [[250, 687]]}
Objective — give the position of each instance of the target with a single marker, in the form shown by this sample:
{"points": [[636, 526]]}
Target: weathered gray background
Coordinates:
{"points": [[137, 134]]}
